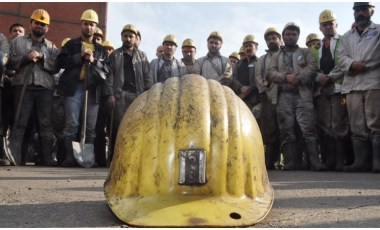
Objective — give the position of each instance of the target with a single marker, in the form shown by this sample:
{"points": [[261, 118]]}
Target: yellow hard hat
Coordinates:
{"points": [[326, 16], [235, 55], [241, 51], [271, 30], [90, 15], [108, 44], [41, 15], [215, 34], [188, 42], [195, 159], [312, 37], [131, 28], [250, 38], [170, 38], [64, 41], [99, 32]]}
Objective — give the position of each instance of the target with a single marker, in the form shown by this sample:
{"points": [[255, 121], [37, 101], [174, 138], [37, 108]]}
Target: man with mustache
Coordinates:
{"points": [[292, 71], [359, 56], [33, 58], [129, 77], [76, 58]]}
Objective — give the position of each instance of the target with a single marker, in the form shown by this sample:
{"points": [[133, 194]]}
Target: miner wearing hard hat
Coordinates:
{"points": [[234, 58], [98, 35], [129, 76], [293, 70], [359, 57], [86, 67], [214, 65], [268, 117], [330, 106], [188, 52], [109, 47], [167, 65], [313, 40], [33, 57]]}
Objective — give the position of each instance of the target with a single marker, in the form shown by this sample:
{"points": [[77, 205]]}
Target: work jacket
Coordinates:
{"points": [[39, 73], [215, 68], [304, 66], [115, 82], [178, 68]]}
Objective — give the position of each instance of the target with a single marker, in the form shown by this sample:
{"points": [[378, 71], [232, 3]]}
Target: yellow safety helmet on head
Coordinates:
{"points": [[108, 44], [250, 38], [271, 30], [326, 16], [312, 37], [90, 15], [64, 41], [170, 38], [99, 32], [188, 42], [195, 159], [215, 34], [130, 27], [241, 50], [234, 55], [41, 15]]}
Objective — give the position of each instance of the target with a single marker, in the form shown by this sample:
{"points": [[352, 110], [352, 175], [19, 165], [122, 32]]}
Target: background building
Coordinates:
{"points": [[64, 17]]}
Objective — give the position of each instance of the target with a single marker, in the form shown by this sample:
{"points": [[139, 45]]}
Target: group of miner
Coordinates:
{"points": [[316, 106]]}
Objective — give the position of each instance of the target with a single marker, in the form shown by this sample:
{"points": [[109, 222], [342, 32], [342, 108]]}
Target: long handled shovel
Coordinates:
{"points": [[83, 152]]}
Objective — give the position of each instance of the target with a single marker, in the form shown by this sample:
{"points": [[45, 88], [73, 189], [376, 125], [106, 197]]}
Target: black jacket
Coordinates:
{"points": [[71, 61]]}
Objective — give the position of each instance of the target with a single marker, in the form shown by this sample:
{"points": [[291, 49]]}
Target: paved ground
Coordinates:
{"points": [[62, 197]]}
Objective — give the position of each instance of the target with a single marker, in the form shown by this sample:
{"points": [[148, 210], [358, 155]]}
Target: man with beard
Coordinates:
{"points": [[167, 65], [129, 77], [330, 106], [268, 117], [292, 72], [359, 56], [188, 51], [214, 65], [77, 58], [33, 58]]}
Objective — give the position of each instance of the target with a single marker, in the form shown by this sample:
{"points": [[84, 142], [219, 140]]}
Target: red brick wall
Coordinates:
{"points": [[64, 17]]}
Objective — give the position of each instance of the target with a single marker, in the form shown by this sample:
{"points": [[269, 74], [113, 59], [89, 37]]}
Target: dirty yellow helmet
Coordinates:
{"points": [[326, 16], [41, 15], [90, 15], [188, 42], [215, 34], [196, 158], [312, 37], [99, 32], [108, 44], [131, 28], [170, 38], [250, 38], [271, 30], [241, 51], [64, 41], [234, 55]]}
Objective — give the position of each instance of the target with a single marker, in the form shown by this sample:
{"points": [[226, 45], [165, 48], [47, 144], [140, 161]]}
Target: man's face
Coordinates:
{"points": [[169, 48], [328, 29], [128, 38], [273, 42], [88, 28], [250, 49], [214, 45], [39, 29], [159, 51], [17, 31], [98, 39], [188, 52], [290, 37], [363, 15]]}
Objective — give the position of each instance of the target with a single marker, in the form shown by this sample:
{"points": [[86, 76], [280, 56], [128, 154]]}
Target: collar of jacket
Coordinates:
{"points": [[217, 55], [371, 26], [44, 41], [287, 49]]}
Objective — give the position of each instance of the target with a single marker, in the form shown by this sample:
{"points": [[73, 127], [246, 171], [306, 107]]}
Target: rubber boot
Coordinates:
{"points": [[330, 153], [312, 149], [376, 154], [69, 155], [340, 151], [362, 152], [46, 152], [270, 156], [3, 160], [290, 151]]}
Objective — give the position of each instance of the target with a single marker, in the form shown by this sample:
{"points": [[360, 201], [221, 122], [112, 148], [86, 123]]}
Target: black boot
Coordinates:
{"points": [[330, 153], [69, 155], [3, 160], [341, 147], [290, 151], [376, 154], [362, 152], [271, 155], [15, 151], [46, 152], [313, 151]]}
